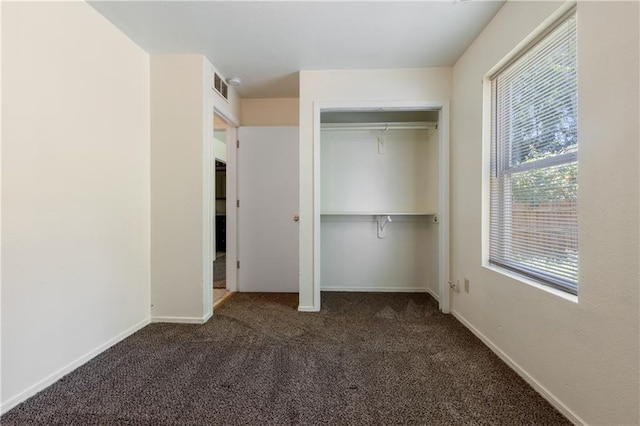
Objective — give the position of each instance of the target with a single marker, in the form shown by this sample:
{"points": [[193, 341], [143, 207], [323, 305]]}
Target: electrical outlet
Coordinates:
{"points": [[455, 286], [466, 285]]}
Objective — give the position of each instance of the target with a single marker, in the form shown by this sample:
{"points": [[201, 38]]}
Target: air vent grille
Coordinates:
{"points": [[220, 86]]}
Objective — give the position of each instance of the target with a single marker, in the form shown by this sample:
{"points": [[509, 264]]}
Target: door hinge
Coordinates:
{"points": [[238, 203], [238, 143], [238, 264]]}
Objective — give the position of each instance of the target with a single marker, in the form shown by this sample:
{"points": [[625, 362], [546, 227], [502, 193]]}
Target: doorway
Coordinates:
{"points": [[221, 137]]}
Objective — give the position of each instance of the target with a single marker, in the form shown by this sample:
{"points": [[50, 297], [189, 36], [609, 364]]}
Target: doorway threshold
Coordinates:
{"points": [[220, 296]]}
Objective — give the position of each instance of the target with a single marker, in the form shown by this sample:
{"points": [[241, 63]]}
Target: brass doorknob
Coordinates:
{"points": [[296, 218]]}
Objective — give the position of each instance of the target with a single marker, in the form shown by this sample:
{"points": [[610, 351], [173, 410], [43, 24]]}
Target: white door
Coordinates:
{"points": [[268, 194]]}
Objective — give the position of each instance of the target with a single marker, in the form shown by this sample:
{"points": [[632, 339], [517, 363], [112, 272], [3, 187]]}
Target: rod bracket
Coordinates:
{"points": [[382, 222], [382, 146]]}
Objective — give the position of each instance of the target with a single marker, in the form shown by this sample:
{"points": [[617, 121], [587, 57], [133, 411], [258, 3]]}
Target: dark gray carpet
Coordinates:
{"points": [[367, 358]]}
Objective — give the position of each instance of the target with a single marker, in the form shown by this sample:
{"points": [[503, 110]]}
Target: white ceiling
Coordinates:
{"points": [[267, 43]]}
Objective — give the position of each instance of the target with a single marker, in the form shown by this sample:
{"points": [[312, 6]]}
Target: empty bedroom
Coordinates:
{"points": [[325, 212]]}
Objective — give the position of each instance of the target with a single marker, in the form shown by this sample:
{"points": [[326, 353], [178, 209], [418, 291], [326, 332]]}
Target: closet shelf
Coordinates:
{"points": [[378, 214], [417, 125]]}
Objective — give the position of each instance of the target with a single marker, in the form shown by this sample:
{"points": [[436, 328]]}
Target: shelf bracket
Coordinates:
{"points": [[382, 222]]}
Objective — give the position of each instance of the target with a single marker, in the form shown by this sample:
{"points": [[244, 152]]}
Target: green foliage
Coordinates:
{"points": [[542, 123], [549, 184]]}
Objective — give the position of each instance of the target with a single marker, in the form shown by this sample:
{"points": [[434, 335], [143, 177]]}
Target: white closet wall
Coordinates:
{"points": [[355, 177], [363, 178]]}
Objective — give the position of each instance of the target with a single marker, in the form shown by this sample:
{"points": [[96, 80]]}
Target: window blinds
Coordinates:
{"points": [[534, 161]]}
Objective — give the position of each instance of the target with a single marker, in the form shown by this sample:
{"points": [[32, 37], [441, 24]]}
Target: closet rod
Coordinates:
{"points": [[419, 125]]}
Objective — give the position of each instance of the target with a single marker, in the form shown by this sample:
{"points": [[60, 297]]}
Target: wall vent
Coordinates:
{"points": [[220, 86]]}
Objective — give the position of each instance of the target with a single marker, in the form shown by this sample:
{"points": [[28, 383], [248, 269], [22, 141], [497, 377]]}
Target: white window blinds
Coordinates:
{"points": [[534, 161]]}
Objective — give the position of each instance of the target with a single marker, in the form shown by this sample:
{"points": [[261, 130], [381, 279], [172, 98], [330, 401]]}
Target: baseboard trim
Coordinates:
{"points": [[376, 289], [182, 320], [60, 373], [546, 394], [302, 308], [433, 294]]}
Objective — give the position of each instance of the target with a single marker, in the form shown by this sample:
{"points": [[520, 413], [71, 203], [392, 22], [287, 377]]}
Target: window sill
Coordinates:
{"points": [[532, 283]]}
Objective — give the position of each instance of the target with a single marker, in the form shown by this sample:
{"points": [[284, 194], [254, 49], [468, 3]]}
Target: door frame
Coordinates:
{"points": [[208, 206], [443, 183]]}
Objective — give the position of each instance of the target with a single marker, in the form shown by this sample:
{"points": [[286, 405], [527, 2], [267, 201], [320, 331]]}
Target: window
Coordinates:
{"points": [[534, 161]]}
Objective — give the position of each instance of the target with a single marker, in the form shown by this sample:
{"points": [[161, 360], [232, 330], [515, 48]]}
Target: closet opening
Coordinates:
{"points": [[380, 200]]}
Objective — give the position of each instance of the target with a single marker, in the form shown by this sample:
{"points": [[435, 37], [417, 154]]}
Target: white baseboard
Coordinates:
{"points": [[551, 398], [306, 309], [434, 294], [376, 289], [58, 374], [182, 320]]}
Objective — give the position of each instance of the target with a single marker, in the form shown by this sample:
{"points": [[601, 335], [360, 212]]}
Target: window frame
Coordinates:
{"points": [[501, 166]]}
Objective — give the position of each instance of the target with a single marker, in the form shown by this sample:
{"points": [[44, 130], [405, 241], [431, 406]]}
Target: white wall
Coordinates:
{"points": [[270, 112], [220, 146], [176, 186], [182, 185], [356, 178], [220, 150], [75, 191], [403, 85], [355, 259], [583, 356]]}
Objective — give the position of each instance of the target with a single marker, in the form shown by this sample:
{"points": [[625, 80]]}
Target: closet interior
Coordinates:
{"points": [[379, 187]]}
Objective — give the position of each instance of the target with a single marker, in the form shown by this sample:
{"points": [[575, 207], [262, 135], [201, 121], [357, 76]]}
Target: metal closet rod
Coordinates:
{"points": [[418, 125]]}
